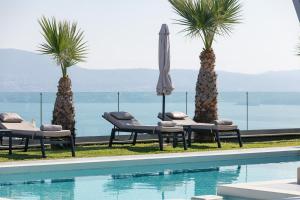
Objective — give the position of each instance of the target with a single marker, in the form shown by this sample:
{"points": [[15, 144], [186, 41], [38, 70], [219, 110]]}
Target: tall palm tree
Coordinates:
{"points": [[206, 19], [64, 42]]}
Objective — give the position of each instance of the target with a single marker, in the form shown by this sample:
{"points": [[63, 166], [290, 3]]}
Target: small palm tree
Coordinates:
{"points": [[64, 42], [206, 19]]}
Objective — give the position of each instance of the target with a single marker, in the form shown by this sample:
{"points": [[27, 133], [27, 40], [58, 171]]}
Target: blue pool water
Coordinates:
{"points": [[157, 182]]}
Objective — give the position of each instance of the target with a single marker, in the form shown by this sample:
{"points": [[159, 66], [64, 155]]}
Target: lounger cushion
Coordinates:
{"points": [[10, 118], [226, 127], [151, 128], [166, 124], [28, 129], [208, 126], [38, 133], [188, 122], [176, 115], [223, 122], [202, 126], [53, 134], [175, 129], [122, 115], [51, 127], [18, 126], [184, 122], [122, 124]]}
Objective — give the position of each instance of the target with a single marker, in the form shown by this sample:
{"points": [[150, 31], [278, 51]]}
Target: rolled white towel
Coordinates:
{"points": [[223, 122], [51, 127], [166, 123], [176, 115]]}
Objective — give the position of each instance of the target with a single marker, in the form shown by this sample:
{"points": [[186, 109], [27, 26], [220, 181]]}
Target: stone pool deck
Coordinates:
{"points": [[267, 190]]}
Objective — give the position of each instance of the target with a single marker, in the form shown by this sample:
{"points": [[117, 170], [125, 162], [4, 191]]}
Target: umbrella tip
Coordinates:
{"points": [[164, 29]]}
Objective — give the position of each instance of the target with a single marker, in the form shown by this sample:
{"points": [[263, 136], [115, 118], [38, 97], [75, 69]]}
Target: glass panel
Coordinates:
{"points": [[273, 110], [267, 110]]}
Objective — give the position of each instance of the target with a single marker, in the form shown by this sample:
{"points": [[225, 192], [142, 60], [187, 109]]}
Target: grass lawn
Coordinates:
{"points": [[149, 148]]}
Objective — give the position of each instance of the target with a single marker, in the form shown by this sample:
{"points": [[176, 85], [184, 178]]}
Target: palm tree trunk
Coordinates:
{"points": [[206, 93], [64, 112]]}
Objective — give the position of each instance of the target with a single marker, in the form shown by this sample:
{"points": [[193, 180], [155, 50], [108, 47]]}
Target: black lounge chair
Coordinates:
{"points": [[125, 122], [189, 125], [25, 130]]}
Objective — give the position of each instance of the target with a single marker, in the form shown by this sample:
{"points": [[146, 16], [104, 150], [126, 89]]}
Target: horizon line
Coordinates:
{"points": [[154, 69]]}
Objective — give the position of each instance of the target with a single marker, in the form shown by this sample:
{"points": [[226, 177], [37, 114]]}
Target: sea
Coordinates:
{"points": [[253, 110]]}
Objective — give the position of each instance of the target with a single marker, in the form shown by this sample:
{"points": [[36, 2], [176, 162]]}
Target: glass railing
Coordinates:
{"points": [[253, 110]]}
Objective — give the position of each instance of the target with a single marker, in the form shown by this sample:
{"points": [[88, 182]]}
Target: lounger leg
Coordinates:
{"points": [[43, 147], [112, 137], [239, 137], [218, 138], [1, 141], [175, 137], [168, 139], [9, 145], [26, 144], [21, 141], [131, 135], [184, 141], [189, 132], [72, 146], [160, 140], [134, 138]]}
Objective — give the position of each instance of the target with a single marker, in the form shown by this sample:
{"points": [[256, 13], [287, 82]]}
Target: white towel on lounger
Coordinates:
{"points": [[51, 127], [166, 124], [223, 122]]}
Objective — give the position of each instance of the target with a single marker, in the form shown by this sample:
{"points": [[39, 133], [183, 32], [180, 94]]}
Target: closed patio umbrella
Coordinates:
{"points": [[297, 7], [164, 85]]}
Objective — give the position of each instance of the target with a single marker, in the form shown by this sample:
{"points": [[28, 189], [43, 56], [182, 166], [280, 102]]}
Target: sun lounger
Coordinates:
{"points": [[27, 131], [220, 126], [125, 122]]}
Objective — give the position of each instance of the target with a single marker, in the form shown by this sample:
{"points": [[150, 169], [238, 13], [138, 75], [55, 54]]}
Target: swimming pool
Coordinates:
{"points": [[147, 182]]}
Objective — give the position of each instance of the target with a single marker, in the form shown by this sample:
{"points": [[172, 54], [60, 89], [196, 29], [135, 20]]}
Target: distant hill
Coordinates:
{"points": [[27, 71]]}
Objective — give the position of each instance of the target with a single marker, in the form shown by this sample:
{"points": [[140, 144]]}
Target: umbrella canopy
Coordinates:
{"points": [[297, 7], [164, 84]]}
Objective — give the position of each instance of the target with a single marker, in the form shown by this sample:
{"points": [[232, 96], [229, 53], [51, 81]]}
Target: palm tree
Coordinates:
{"points": [[64, 42], [206, 19]]}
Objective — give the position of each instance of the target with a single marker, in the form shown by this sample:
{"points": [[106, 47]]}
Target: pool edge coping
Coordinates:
{"points": [[164, 158]]}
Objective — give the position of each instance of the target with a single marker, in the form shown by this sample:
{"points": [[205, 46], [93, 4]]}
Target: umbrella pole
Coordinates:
{"points": [[163, 107]]}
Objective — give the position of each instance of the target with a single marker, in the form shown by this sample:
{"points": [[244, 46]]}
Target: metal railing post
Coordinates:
{"points": [[186, 102], [118, 106], [118, 101], [247, 110], [41, 108]]}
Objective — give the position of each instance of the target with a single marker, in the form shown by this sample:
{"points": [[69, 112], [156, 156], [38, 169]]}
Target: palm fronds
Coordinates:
{"points": [[206, 18], [64, 41]]}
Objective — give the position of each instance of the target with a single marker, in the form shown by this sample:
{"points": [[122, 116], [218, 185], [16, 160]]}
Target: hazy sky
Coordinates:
{"points": [[124, 34]]}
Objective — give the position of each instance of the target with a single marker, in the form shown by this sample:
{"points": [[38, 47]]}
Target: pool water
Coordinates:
{"points": [[176, 181]]}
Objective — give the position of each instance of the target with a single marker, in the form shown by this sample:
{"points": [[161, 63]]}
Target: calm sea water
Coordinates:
{"points": [[266, 110]]}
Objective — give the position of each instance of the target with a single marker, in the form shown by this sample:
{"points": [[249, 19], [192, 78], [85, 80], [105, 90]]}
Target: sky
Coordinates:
{"points": [[124, 34]]}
